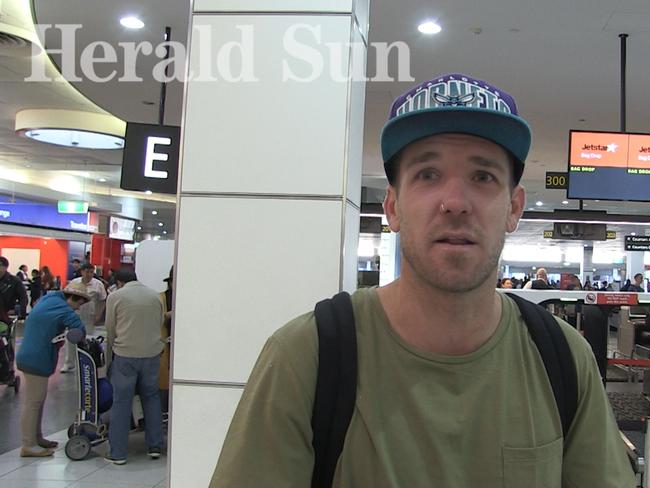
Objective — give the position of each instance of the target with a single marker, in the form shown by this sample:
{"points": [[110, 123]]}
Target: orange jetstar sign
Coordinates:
{"points": [[613, 150]]}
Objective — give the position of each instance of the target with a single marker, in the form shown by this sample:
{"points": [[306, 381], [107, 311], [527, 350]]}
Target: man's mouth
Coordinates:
{"points": [[456, 240]]}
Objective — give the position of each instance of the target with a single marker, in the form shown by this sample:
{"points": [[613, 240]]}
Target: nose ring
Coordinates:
{"points": [[443, 209]]}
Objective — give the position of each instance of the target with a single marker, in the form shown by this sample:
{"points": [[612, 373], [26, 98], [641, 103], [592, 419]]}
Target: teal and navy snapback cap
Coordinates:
{"points": [[456, 103]]}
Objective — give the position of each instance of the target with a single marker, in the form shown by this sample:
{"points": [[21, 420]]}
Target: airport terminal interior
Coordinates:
{"points": [[104, 164]]}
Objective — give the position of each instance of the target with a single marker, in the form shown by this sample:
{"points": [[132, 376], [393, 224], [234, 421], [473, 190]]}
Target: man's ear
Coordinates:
{"points": [[391, 208], [517, 203]]}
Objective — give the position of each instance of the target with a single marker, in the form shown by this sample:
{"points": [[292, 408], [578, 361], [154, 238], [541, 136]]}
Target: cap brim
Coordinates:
{"points": [[509, 131]]}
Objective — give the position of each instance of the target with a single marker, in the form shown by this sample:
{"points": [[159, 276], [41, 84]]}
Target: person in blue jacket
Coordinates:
{"points": [[37, 358]]}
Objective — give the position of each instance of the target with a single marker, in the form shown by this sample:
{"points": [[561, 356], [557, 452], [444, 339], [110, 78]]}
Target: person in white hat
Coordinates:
{"points": [[37, 358]]}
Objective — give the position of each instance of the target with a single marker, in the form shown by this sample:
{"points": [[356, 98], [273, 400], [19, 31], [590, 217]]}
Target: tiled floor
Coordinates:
{"points": [[94, 472]]}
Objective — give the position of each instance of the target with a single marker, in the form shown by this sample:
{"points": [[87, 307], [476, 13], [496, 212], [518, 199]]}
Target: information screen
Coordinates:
{"points": [[609, 166]]}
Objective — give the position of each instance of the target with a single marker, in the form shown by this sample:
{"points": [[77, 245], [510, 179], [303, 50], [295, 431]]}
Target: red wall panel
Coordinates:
{"points": [[106, 253], [54, 253]]}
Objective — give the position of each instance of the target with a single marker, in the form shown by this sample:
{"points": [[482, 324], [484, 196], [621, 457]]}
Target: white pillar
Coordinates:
{"points": [[268, 210], [633, 264]]}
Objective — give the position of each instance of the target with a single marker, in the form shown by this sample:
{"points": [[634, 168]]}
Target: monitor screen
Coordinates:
{"points": [[609, 166], [120, 228]]}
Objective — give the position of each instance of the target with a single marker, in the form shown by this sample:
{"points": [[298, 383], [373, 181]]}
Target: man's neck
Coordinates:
{"points": [[448, 323]]}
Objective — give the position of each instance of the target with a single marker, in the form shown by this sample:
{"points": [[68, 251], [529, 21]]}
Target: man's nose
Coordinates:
{"points": [[454, 198]]}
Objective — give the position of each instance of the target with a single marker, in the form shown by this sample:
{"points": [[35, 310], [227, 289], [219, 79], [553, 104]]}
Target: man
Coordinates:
{"points": [[12, 293], [540, 282], [451, 390], [90, 313], [37, 358], [133, 317], [76, 268], [638, 284], [23, 273]]}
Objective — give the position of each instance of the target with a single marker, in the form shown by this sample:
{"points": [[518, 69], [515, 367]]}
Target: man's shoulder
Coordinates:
{"points": [[302, 330]]}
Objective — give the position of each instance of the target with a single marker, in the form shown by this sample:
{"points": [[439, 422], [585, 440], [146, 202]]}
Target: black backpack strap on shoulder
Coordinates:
{"points": [[336, 385], [556, 355]]}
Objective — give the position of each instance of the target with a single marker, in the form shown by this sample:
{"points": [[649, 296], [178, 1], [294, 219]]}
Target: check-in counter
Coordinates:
{"points": [[593, 307]]}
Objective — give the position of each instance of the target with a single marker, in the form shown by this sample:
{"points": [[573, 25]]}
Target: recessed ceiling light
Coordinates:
{"points": [[154, 212], [567, 263], [139, 227], [565, 202], [148, 192], [531, 208], [633, 233], [160, 224], [539, 203], [102, 180], [165, 232], [131, 22], [429, 27]]}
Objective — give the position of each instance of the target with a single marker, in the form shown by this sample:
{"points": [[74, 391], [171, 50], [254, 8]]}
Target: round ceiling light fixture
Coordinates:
{"points": [[71, 128], [131, 22], [429, 27]]}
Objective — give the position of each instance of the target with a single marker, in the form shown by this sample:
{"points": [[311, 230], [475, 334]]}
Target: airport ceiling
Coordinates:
{"points": [[560, 60]]}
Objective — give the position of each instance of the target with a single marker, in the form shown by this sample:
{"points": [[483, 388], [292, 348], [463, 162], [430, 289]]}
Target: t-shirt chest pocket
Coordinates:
{"points": [[533, 467]]}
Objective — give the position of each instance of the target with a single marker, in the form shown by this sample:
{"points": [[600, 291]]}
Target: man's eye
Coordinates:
{"points": [[483, 177], [426, 174]]}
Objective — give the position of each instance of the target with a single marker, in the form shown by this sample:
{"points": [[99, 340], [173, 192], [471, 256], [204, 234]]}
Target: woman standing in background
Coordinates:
{"points": [[47, 280]]}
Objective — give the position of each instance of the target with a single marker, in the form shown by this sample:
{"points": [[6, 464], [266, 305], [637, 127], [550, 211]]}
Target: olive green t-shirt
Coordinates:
{"points": [[486, 419]]}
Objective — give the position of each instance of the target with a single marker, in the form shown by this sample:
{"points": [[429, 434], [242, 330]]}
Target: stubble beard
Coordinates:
{"points": [[455, 277]]}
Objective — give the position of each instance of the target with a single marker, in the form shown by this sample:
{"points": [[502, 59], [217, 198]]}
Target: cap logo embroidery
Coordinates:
{"points": [[447, 101]]}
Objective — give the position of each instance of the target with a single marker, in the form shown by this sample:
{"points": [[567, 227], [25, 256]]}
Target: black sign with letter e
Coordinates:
{"points": [[150, 159], [556, 181], [637, 243]]}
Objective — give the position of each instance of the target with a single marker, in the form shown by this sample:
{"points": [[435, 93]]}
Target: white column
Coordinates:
{"points": [[268, 210], [633, 264]]}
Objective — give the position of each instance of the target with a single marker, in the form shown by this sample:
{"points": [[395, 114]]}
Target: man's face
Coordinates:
{"points": [[638, 279], [76, 304], [452, 206], [3, 270], [76, 265], [87, 275]]}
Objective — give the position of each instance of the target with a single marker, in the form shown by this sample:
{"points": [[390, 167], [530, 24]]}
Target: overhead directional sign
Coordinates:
{"points": [[637, 243]]}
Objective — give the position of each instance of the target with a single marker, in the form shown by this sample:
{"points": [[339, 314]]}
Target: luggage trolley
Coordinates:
{"points": [[95, 397]]}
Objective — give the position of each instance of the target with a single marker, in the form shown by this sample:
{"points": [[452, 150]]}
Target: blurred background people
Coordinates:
{"points": [[47, 280], [35, 287], [166, 299], [12, 293], [90, 313], [37, 358], [133, 319], [540, 282]]}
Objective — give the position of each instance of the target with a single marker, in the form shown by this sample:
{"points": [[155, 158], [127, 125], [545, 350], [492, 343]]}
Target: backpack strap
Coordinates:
{"points": [[556, 355], [336, 386]]}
